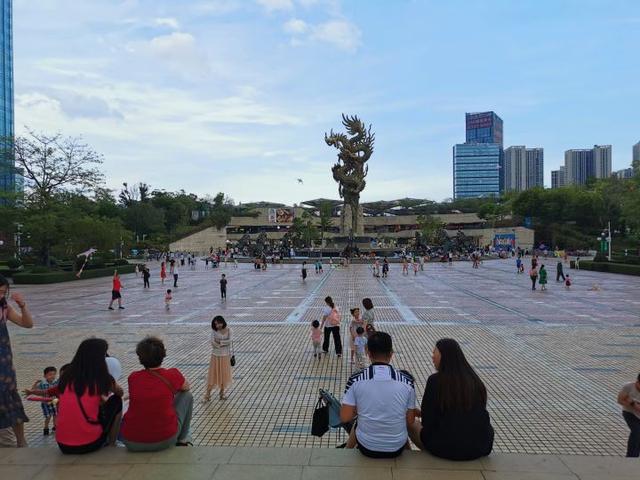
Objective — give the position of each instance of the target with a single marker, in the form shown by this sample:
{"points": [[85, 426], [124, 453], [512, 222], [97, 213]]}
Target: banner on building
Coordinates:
{"points": [[281, 215], [504, 241]]}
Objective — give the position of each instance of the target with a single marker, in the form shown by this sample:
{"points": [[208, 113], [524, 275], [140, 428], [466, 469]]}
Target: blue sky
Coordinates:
{"points": [[235, 95]]}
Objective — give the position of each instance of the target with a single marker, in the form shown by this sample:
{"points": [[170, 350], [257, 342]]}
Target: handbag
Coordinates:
{"points": [[233, 356], [320, 422]]}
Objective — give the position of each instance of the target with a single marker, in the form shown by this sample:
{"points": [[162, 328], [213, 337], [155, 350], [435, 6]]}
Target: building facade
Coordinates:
{"points": [[557, 178], [582, 164], [477, 170], [484, 127], [635, 157], [602, 161], [523, 168], [624, 173], [7, 170]]}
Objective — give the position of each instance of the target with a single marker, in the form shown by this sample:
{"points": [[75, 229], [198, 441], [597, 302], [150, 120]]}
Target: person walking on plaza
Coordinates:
{"points": [[629, 398], [331, 324], [533, 275], [356, 322], [518, 265], [369, 315], [223, 287], [304, 271], [146, 275], [559, 272], [12, 415], [220, 363], [163, 272], [543, 278], [385, 268], [167, 300], [160, 403], [316, 338], [405, 266], [115, 291]]}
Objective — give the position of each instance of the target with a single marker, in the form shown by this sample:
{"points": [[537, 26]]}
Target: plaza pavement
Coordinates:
{"points": [[552, 361]]}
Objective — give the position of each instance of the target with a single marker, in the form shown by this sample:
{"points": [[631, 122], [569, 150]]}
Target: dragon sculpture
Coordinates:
{"points": [[354, 149]]}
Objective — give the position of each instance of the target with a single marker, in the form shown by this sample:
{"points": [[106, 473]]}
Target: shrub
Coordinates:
{"points": [[59, 276], [121, 261], [609, 267], [39, 269], [14, 263], [600, 257]]}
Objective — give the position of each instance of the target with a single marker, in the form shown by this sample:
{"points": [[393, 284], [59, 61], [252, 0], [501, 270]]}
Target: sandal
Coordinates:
{"points": [[184, 444]]}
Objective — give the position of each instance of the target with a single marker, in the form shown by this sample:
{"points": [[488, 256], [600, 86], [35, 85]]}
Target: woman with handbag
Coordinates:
{"points": [[221, 358], [160, 403], [90, 401]]}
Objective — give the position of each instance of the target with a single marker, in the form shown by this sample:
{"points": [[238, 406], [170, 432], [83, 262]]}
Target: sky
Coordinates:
{"points": [[236, 95]]}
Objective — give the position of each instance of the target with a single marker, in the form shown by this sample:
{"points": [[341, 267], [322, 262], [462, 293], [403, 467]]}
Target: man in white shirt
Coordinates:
{"points": [[384, 401], [629, 398]]}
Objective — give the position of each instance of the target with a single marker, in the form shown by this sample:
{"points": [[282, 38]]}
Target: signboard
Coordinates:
{"points": [[504, 241], [281, 215]]}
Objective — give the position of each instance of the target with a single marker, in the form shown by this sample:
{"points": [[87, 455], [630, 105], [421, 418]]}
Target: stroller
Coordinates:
{"points": [[327, 415]]}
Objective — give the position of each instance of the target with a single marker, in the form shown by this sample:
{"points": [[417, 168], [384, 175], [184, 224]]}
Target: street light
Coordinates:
{"points": [[606, 236]]}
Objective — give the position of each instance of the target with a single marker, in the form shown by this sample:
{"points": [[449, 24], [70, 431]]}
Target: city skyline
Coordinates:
{"points": [[163, 93]]}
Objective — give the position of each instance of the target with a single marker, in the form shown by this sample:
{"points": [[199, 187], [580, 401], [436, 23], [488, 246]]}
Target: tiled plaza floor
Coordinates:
{"points": [[552, 361]]}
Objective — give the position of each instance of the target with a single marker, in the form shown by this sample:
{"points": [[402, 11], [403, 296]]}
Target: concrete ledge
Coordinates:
{"points": [[217, 463]]}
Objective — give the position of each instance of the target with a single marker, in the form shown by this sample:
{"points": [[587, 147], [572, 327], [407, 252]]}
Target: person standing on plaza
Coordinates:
{"points": [[316, 338], [356, 322], [533, 275], [116, 291], [223, 287], [176, 273], [369, 315], [518, 265], [559, 272], [543, 278], [331, 324], [146, 275], [385, 268], [12, 413], [163, 272], [405, 266], [219, 375], [304, 271], [629, 398]]}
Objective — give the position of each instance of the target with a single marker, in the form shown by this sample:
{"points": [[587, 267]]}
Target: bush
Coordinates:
{"points": [[609, 267], [39, 269], [49, 276], [121, 261], [600, 257], [14, 263]]}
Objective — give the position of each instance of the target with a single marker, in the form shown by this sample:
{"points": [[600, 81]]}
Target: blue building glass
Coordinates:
{"points": [[477, 170], [7, 165], [484, 127]]}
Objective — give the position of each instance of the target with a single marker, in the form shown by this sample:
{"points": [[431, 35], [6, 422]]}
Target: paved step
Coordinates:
{"points": [[240, 463]]}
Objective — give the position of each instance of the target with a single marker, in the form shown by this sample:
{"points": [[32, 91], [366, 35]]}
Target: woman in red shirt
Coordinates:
{"points": [[160, 403], [90, 401]]}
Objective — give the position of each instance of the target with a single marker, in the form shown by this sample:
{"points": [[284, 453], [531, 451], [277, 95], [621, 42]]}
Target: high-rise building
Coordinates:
{"points": [[477, 170], [557, 178], [635, 158], [523, 168], [624, 173], [484, 127], [582, 164], [7, 174], [602, 161]]}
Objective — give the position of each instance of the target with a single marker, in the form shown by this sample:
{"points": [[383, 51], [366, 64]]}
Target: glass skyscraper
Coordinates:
{"points": [[484, 127], [7, 166], [477, 170]]}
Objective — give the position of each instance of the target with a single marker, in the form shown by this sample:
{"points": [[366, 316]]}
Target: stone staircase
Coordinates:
{"points": [[239, 463]]}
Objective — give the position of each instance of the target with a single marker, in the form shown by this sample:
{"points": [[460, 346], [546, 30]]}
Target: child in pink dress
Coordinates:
{"points": [[316, 338]]}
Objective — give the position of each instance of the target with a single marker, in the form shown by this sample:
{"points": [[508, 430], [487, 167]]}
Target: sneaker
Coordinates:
{"points": [[110, 308], [120, 308], [45, 431]]}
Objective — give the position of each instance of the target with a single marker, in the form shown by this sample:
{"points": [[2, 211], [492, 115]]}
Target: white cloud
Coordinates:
{"points": [[275, 5], [168, 22], [295, 26], [179, 51], [340, 33]]}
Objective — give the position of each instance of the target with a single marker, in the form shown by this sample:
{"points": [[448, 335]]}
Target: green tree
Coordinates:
{"points": [[326, 211], [429, 227]]}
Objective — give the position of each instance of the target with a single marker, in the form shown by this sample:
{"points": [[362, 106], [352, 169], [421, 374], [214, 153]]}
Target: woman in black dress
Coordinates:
{"points": [[455, 422]]}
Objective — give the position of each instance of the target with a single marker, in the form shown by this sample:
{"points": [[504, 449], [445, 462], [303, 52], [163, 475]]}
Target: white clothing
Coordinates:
{"points": [[221, 343]]}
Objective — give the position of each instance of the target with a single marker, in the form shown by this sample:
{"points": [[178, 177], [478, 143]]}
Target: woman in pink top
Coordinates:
{"points": [[331, 324], [90, 401]]}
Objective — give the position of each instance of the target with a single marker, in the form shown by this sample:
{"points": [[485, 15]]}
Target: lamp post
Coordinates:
{"points": [[605, 236]]}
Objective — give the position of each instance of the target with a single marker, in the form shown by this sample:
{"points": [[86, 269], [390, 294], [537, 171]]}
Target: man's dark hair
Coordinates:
{"points": [[50, 369], [380, 344], [151, 352], [359, 330], [367, 303]]}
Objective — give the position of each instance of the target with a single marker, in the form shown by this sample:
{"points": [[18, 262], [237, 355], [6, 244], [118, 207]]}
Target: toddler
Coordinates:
{"points": [[356, 322], [167, 299], [567, 283], [49, 409], [316, 338], [360, 343]]}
